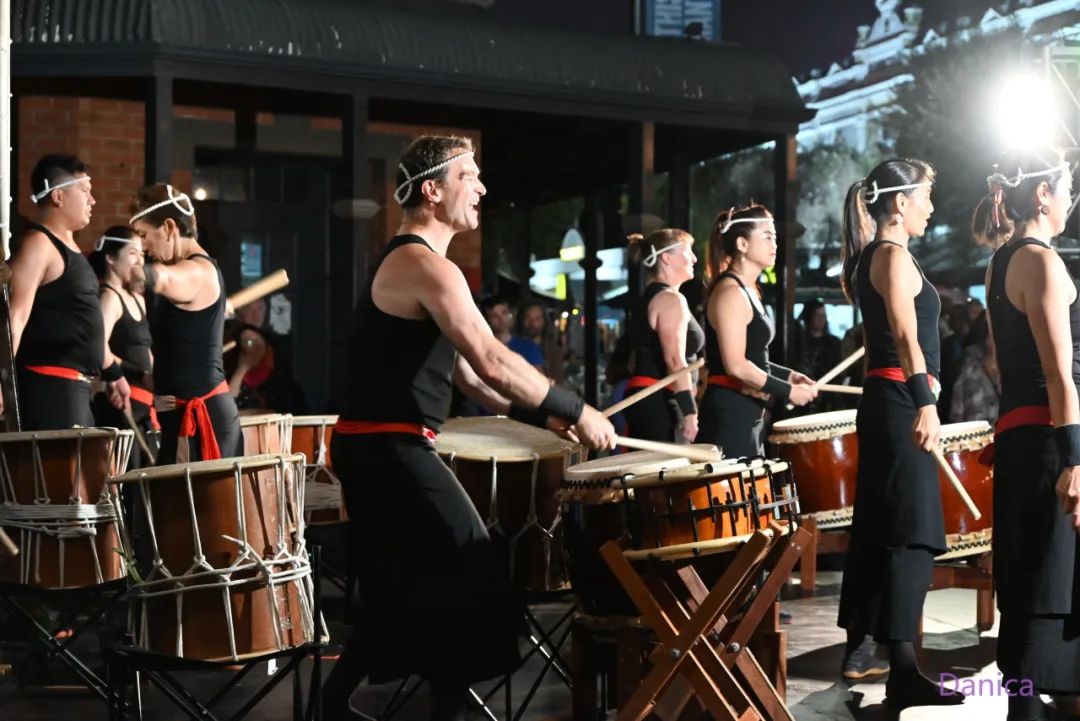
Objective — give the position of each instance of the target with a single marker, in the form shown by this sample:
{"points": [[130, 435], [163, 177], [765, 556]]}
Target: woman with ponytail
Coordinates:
{"points": [[665, 337], [1033, 309], [738, 332], [117, 261], [898, 526]]}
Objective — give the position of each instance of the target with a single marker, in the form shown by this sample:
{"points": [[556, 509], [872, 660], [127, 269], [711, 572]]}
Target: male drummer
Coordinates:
{"points": [[57, 330], [436, 599]]}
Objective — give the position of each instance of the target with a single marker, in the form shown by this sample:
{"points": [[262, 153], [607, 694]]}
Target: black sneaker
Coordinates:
{"points": [[863, 663]]}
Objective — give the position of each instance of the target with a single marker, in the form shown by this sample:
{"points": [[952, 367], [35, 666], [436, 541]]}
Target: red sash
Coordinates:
{"points": [[196, 418], [361, 428], [60, 372]]}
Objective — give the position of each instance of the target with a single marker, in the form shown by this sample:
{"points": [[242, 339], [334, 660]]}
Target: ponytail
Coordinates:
{"points": [[856, 230]]}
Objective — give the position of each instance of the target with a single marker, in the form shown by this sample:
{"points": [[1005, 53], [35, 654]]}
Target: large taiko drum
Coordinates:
{"points": [[596, 508], [511, 472], [266, 433], [323, 502], [56, 505], [230, 578], [823, 452], [963, 444]]}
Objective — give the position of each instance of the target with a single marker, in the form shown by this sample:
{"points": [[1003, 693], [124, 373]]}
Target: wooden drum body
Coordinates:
{"points": [[512, 471], [58, 508], [230, 576], [823, 452], [963, 443], [323, 503], [266, 433]]}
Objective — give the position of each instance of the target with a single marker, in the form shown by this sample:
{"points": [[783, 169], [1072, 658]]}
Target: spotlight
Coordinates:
{"points": [[1026, 111], [201, 194]]}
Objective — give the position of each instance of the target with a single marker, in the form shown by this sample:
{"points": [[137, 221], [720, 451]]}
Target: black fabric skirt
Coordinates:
{"points": [[223, 417], [733, 422], [435, 593], [108, 416], [47, 403], [1036, 564], [653, 418]]}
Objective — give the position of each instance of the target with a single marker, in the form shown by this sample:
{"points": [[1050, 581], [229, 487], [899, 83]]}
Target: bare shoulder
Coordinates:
{"points": [[668, 301], [1036, 258], [419, 264], [34, 243]]}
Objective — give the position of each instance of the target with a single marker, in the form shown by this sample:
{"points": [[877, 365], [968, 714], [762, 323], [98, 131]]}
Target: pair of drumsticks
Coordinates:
{"points": [[704, 455]]}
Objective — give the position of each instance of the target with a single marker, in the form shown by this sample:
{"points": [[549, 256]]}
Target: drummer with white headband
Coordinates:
{"points": [[198, 415], [56, 323]]}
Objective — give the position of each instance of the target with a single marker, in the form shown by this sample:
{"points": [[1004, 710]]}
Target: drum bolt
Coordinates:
{"points": [[675, 653], [734, 648]]}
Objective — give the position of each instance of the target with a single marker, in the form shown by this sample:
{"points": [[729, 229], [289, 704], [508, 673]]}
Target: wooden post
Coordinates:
{"points": [[159, 129], [784, 164]]}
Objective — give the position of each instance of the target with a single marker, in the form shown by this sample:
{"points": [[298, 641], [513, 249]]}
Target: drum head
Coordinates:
{"points": [[313, 421], [487, 437], [69, 434], [823, 425], [197, 468], [628, 464], [970, 429], [261, 419], [727, 468]]}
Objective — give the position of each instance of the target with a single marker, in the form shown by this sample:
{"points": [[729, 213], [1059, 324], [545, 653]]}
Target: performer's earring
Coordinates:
{"points": [[1044, 209]]}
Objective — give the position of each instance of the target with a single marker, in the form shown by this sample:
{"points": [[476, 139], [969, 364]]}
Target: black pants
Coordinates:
{"points": [[223, 417], [884, 590], [654, 418], [108, 416], [732, 421], [47, 403], [435, 594]]}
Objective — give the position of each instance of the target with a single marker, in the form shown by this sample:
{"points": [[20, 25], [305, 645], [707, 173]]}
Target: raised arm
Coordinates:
{"points": [[185, 282]]}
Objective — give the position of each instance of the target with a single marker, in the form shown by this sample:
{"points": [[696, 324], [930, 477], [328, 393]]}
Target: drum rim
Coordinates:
{"points": [[196, 468], [615, 472], [312, 421], [261, 418], [557, 447], [693, 472], [965, 430], [799, 425], [65, 434]]}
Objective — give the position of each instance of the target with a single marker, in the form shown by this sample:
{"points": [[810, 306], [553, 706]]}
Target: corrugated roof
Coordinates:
{"points": [[369, 41]]}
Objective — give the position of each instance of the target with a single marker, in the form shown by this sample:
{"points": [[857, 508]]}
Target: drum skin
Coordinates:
{"points": [[54, 563], [306, 431], [266, 433], [203, 616], [826, 466], [963, 444]]}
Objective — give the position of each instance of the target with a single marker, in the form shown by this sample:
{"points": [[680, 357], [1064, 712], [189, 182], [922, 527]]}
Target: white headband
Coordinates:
{"points": [[407, 186], [650, 260], [177, 200], [729, 222], [35, 198], [1021, 176], [105, 238], [870, 195]]}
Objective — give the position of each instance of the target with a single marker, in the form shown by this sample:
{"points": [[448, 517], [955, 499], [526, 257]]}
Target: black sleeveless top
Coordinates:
{"points": [[880, 344], [65, 327], [1023, 382], [648, 353], [759, 334], [131, 342], [399, 368], [187, 345]]}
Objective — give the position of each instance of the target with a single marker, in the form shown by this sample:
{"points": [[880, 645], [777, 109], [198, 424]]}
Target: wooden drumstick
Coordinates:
{"points": [[833, 388], [139, 436], [7, 546], [654, 388], [260, 288], [228, 347], [943, 464], [675, 450], [837, 370]]}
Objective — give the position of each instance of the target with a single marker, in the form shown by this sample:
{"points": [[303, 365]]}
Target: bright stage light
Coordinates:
{"points": [[834, 271], [1025, 110]]}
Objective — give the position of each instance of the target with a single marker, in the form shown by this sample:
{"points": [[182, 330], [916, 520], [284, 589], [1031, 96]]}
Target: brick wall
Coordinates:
{"points": [[107, 134]]}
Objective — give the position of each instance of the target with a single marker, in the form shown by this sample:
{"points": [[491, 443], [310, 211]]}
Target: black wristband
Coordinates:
{"points": [[562, 403], [685, 400], [778, 389], [532, 416], [112, 373], [1067, 440], [919, 387]]}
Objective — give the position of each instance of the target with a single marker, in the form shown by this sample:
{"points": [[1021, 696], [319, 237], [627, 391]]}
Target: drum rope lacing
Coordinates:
{"points": [[65, 522], [321, 495], [285, 566]]}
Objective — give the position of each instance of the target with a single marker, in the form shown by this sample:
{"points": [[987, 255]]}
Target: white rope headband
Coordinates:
{"points": [[407, 186], [650, 260], [35, 198], [871, 194], [175, 199], [729, 222], [106, 238], [1021, 176]]}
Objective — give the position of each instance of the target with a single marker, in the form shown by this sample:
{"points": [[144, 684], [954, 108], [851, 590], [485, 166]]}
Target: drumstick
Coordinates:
{"points": [[671, 449], [139, 436], [654, 388], [833, 388], [837, 370], [228, 347], [262, 287], [956, 484], [7, 545]]}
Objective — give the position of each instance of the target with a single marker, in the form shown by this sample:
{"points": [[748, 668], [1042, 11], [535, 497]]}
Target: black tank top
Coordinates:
{"points": [[399, 368], [648, 353], [187, 345], [1023, 382], [759, 334], [880, 344], [130, 340], [65, 327]]}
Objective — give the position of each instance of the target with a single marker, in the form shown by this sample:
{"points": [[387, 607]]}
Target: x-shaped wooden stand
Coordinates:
{"points": [[706, 639]]}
